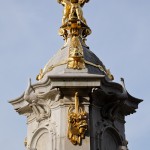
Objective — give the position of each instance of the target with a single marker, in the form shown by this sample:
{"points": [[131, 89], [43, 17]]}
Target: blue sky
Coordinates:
{"points": [[28, 39]]}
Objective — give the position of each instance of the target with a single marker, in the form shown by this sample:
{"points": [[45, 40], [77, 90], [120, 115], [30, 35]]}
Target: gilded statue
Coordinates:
{"points": [[72, 9]]}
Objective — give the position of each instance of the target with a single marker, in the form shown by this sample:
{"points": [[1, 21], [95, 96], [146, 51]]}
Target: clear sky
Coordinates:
{"points": [[28, 39]]}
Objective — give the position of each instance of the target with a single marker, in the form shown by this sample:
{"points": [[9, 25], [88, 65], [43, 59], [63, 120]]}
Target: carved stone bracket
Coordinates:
{"points": [[40, 103], [113, 98], [111, 102]]}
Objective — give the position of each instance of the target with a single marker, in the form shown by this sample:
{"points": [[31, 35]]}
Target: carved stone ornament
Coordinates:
{"points": [[77, 122], [39, 103]]}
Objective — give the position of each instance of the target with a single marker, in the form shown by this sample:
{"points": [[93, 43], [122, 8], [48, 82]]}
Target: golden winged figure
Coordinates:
{"points": [[72, 8]]}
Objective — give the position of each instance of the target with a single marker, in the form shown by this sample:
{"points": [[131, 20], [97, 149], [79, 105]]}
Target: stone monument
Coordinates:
{"points": [[75, 105]]}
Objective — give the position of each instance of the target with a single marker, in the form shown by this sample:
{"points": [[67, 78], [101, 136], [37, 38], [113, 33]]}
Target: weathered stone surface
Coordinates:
{"points": [[107, 103], [75, 78]]}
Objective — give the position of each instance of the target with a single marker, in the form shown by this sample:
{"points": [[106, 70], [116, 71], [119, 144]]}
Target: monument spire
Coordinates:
{"points": [[75, 105]]}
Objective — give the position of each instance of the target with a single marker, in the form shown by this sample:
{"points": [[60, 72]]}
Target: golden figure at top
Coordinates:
{"points": [[66, 12], [72, 9]]}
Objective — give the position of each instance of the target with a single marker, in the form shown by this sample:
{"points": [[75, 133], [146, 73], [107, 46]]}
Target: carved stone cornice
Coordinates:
{"points": [[113, 98], [37, 102]]}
